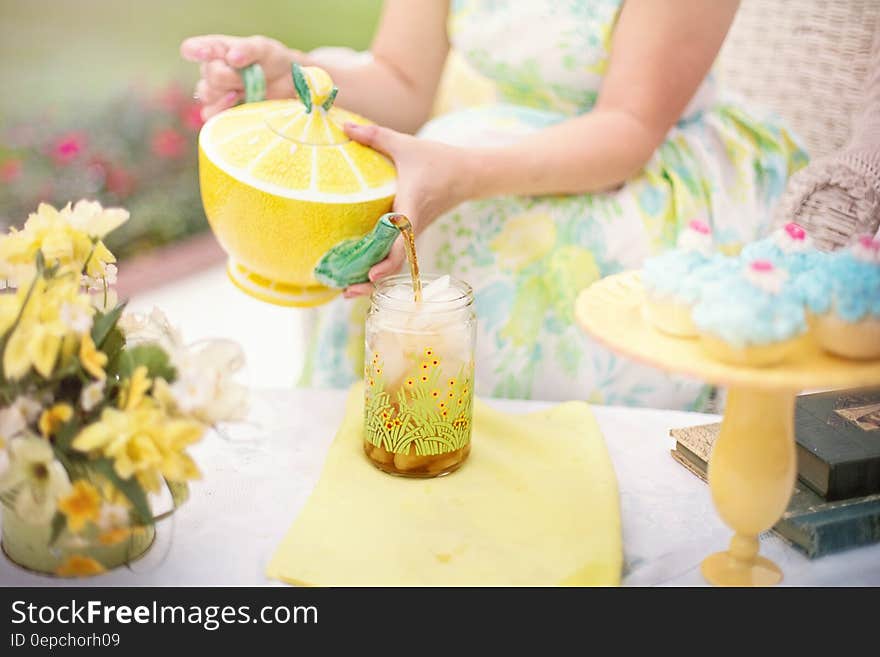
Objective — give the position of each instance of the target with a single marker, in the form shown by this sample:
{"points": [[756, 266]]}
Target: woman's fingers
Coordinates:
{"points": [[247, 50], [389, 265], [382, 139], [219, 74], [206, 94], [358, 290], [205, 48], [226, 101]]}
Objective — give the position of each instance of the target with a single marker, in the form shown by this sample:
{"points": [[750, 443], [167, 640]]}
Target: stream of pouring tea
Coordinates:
{"points": [[402, 224]]}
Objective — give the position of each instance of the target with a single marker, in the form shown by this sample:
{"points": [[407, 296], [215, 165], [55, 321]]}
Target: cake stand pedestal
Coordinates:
{"points": [[752, 468]]}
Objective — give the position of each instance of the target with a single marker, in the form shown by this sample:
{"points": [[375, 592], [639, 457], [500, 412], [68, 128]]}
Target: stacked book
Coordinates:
{"points": [[836, 500]]}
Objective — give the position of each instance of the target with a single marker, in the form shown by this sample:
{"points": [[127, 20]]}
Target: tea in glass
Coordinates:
{"points": [[418, 376]]}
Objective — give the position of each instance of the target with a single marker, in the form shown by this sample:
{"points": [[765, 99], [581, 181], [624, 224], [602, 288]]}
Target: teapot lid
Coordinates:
{"points": [[297, 148]]}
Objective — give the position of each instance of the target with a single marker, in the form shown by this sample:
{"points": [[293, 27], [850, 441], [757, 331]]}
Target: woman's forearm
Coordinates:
{"points": [[592, 153], [396, 88]]}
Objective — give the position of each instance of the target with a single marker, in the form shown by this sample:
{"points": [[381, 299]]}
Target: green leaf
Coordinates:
{"points": [[66, 435], [128, 487], [327, 104], [179, 494], [104, 323], [152, 356], [113, 345], [59, 522], [302, 87]]}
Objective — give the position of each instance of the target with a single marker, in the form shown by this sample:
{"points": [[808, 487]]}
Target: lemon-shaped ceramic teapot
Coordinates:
{"points": [[292, 200]]}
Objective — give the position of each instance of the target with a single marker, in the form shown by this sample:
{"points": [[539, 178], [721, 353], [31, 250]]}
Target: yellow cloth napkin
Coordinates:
{"points": [[535, 505]]}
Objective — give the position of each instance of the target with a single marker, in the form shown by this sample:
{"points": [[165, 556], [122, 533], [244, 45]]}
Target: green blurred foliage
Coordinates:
{"points": [[55, 51]]}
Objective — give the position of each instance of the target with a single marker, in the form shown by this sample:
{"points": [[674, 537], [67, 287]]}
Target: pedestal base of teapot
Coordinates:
{"points": [[277, 292]]}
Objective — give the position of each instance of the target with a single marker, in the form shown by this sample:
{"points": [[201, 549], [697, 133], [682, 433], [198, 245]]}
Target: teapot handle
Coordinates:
{"points": [[254, 83]]}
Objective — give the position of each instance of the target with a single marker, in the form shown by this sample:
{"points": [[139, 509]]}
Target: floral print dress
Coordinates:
{"points": [[528, 257]]}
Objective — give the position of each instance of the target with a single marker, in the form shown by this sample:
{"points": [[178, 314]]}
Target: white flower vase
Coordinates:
{"points": [[27, 544]]}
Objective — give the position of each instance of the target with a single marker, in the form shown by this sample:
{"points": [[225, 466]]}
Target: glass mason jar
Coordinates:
{"points": [[418, 377]]}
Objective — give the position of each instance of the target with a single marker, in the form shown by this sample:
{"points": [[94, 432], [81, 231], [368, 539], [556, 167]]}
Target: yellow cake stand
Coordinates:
{"points": [[752, 467]]}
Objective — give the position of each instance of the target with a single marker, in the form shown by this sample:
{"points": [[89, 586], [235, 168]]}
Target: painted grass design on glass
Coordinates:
{"points": [[431, 414]]}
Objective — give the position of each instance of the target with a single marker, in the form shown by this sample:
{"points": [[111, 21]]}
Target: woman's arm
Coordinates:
{"points": [[661, 51], [395, 89], [398, 86]]}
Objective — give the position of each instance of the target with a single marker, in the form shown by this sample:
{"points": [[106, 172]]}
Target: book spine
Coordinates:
{"points": [[817, 540], [853, 479]]}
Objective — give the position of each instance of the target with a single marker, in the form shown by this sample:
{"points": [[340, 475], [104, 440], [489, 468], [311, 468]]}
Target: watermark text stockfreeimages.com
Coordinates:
{"points": [[210, 617]]}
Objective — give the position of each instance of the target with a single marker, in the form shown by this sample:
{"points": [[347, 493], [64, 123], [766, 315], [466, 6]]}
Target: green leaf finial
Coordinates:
{"points": [[302, 87]]}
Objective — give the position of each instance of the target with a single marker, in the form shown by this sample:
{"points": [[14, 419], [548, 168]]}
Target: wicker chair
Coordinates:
{"points": [[811, 61]]}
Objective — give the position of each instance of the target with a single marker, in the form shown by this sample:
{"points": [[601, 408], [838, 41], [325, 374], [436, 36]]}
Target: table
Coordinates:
{"points": [[258, 477]]}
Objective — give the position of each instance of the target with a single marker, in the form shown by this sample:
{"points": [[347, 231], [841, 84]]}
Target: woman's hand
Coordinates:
{"points": [[432, 178], [221, 86]]}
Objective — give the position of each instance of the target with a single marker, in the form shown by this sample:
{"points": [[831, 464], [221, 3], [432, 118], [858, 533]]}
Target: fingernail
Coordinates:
{"points": [[230, 96], [235, 57], [352, 126]]}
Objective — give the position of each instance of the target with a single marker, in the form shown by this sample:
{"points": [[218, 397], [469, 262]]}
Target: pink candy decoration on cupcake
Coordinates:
{"points": [[795, 231], [765, 276], [697, 236], [867, 249], [699, 226], [793, 238]]}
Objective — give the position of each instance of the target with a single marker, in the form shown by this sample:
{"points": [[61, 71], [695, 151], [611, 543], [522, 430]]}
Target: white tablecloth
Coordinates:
{"points": [[258, 477]]}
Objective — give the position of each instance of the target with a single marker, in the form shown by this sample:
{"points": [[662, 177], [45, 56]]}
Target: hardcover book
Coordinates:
{"points": [[812, 524], [838, 442]]}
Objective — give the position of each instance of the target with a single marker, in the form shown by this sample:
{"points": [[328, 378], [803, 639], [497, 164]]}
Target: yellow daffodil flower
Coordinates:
{"points": [[94, 220], [69, 238], [39, 479], [81, 506], [99, 261], [143, 442], [114, 536], [53, 313], [52, 419], [92, 360], [135, 389], [78, 565]]}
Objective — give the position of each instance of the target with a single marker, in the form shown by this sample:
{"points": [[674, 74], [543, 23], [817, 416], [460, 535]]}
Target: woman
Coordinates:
{"points": [[611, 137]]}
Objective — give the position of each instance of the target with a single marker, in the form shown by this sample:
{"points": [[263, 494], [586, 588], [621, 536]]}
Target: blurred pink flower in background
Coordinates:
{"points": [[191, 116], [66, 149], [138, 147], [171, 97], [10, 170], [119, 182], [168, 143]]}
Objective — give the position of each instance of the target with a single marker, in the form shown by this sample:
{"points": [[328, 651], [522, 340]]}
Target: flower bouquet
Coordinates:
{"points": [[97, 407]]}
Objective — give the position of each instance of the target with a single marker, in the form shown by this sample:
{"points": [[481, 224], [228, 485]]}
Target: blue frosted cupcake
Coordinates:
{"points": [[674, 279], [844, 299], [752, 316], [788, 247]]}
